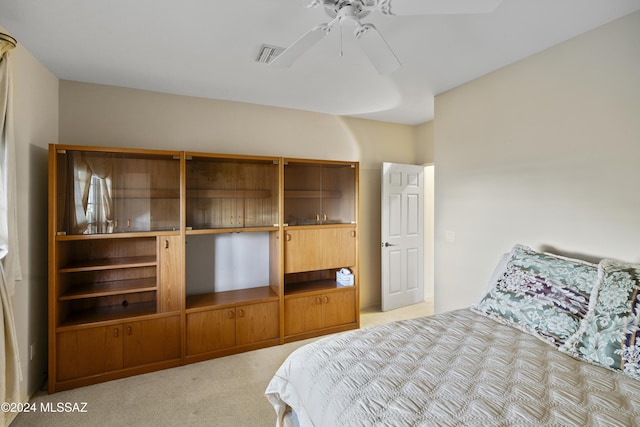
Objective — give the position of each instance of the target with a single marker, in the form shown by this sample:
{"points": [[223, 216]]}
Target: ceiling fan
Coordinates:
{"points": [[370, 39]]}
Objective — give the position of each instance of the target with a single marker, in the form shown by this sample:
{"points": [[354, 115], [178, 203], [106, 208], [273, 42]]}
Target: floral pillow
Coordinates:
{"points": [[543, 294], [609, 336]]}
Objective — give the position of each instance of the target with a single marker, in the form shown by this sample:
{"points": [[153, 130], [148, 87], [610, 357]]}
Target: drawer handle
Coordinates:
{"points": [[128, 330], [326, 300], [318, 300], [288, 237], [166, 244], [230, 314], [116, 332], [240, 313]]}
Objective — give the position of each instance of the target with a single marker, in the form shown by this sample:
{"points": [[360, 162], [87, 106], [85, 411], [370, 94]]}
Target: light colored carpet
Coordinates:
{"points": [[228, 391]]}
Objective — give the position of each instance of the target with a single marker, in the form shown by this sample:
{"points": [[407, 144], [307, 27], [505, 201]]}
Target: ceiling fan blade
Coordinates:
{"points": [[377, 49], [437, 7], [300, 46]]}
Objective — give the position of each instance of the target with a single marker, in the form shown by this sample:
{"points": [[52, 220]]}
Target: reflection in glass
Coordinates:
{"points": [[92, 181]]}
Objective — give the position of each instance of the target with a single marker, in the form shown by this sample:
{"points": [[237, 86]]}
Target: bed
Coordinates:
{"points": [[552, 342]]}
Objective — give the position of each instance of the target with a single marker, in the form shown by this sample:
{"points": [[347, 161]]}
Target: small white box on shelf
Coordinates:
{"points": [[344, 277]]}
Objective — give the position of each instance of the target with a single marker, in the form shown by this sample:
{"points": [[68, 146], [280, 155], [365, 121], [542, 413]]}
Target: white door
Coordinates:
{"points": [[402, 235]]}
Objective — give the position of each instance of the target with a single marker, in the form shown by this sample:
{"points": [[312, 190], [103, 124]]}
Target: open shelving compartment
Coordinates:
{"points": [[226, 268], [105, 278]]}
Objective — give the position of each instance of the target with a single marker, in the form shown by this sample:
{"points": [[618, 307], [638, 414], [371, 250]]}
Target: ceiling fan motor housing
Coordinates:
{"points": [[346, 9]]}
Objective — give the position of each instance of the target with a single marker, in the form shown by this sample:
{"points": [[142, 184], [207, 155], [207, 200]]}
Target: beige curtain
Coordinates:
{"points": [[10, 371], [83, 168], [101, 167], [80, 197]]}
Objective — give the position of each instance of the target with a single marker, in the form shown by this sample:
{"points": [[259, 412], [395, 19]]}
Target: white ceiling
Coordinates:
{"points": [[207, 48]]}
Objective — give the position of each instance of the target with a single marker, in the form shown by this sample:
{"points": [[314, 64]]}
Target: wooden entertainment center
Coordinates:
{"points": [[162, 258]]}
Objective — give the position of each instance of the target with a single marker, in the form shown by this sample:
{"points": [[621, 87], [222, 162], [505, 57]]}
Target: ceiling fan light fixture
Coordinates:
{"points": [[368, 36]]}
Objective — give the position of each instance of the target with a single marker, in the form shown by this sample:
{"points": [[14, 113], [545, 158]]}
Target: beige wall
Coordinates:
{"points": [[110, 116], [425, 143], [543, 152], [35, 101]]}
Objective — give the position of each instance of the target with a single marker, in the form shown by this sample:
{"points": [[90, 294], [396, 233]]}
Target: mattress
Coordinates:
{"points": [[453, 369]]}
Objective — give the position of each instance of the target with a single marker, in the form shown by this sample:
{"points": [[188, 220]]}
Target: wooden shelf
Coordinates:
{"points": [[312, 194], [219, 299], [118, 287], [109, 264], [319, 226], [108, 313], [256, 229], [311, 287], [173, 231], [208, 193], [146, 193]]}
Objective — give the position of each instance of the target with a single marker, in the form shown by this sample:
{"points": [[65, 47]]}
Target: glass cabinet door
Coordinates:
{"points": [[319, 193], [101, 192], [302, 192], [231, 193], [338, 202]]}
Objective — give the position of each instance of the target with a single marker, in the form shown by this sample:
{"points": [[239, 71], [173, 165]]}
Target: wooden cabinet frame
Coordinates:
{"points": [[119, 303], [317, 245]]}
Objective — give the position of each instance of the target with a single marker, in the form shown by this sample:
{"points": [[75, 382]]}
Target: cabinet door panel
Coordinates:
{"points": [[340, 247], [302, 193], [151, 341], [302, 314], [339, 194], [256, 322], [88, 352], [302, 250], [259, 184], [210, 330], [339, 308], [170, 277], [319, 249]]}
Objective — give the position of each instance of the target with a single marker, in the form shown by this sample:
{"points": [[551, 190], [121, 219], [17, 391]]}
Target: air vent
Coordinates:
{"points": [[268, 53]]}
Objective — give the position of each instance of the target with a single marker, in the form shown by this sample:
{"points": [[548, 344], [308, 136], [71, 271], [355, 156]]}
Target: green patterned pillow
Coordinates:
{"points": [[609, 336], [543, 294]]}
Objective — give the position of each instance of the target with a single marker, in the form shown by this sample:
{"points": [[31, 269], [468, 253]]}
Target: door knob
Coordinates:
{"points": [[387, 244]]}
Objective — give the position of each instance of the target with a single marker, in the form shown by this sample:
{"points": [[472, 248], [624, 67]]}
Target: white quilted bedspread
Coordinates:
{"points": [[453, 369]]}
